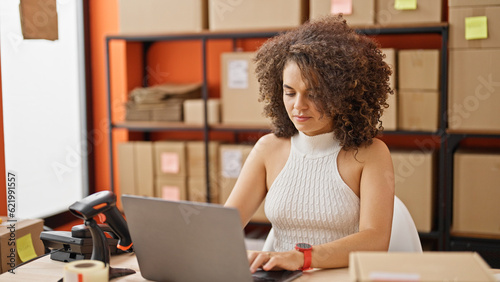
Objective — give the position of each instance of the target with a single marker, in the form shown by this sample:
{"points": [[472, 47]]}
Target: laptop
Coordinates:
{"points": [[188, 241]]}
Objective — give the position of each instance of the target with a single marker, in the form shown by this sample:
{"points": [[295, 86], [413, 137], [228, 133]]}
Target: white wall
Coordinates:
{"points": [[44, 111]]}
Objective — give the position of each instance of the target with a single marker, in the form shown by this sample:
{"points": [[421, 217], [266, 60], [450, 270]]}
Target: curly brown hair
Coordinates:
{"points": [[346, 72]]}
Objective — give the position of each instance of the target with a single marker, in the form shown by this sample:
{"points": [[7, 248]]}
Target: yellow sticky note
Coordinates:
{"points": [[405, 4], [25, 248], [476, 28]]}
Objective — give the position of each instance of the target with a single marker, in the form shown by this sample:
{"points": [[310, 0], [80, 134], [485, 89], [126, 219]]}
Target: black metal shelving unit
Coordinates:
{"points": [[439, 235]]}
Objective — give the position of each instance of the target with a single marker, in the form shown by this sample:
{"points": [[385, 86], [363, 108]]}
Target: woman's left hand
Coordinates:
{"points": [[291, 260]]}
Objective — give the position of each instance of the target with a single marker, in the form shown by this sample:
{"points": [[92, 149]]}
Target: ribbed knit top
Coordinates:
{"points": [[308, 201]]}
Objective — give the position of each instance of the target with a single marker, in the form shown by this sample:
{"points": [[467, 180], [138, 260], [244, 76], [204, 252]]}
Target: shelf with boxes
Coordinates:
{"points": [[473, 134], [434, 229]]}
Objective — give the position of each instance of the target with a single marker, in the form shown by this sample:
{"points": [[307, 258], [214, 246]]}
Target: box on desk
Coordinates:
{"points": [[474, 23], [27, 236], [240, 91], [475, 193], [256, 14], [162, 16], [415, 181], [408, 12], [355, 12], [473, 92], [424, 267]]}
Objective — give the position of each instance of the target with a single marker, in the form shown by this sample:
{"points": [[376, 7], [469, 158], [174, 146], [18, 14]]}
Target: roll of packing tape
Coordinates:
{"points": [[86, 271]]}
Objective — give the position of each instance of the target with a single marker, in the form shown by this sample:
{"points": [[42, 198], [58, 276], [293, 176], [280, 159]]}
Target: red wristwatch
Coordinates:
{"points": [[306, 250]]}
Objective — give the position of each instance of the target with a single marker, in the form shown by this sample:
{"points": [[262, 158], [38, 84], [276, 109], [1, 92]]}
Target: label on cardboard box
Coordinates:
{"points": [[476, 28], [170, 162], [237, 77], [232, 161], [342, 6], [405, 4], [171, 193], [25, 248]]}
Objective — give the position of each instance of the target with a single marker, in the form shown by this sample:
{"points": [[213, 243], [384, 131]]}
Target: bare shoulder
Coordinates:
{"points": [[270, 143], [376, 151]]}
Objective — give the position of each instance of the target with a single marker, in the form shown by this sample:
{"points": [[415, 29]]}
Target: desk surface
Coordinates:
{"points": [[45, 269]]}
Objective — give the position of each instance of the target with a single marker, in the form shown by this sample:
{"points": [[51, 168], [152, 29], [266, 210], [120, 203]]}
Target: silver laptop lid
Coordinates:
{"points": [[186, 241]]}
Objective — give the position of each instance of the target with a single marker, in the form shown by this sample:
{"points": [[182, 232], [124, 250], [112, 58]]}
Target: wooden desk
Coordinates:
{"points": [[45, 269]]}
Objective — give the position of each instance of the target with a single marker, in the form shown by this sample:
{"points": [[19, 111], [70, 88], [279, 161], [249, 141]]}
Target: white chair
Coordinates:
{"points": [[404, 234]]}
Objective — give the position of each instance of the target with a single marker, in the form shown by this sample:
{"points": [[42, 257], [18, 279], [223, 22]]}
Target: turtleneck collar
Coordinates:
{"points": [[317, 145]]}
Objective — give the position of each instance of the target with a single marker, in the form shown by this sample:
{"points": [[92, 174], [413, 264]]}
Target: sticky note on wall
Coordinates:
{"points": [[476, 28], [341, 6], [405, 4]]}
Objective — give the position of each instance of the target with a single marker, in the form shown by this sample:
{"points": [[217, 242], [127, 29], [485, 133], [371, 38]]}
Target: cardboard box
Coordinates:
{"points": [[256, 14], [232, 158], [356, 12], [162, 16], [426, 11], [170, 158], [240, 91], [474, 23], [418, 110], [475, 193], [418, 69], [425, 267], [194, 111], [135, 166], [197, 190], [474, 92], [24, 229], [389, 117], [415, 180], [196, 158], [172, 188]]}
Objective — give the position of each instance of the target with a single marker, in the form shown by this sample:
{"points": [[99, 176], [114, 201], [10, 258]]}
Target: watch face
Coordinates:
{"points": [[304, 246]]}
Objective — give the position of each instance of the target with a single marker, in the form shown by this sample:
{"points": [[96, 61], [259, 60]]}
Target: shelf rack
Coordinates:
{"points": [[439, 28]]}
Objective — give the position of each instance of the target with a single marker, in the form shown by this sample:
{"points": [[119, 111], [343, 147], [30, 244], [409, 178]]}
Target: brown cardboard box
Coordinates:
{"points": [[240, 91], [197, 190], [196, 158], [475, 193], [425, 267], [162, 16], [389, 118], [33, 227], [356, 12], [427, 11], [136, 173], [232, 158], [194, 111], [418, 110], [170, 158], [172, 188], [474, 92], [460, 10], [256, 14], [414, 173], [418, 69]]}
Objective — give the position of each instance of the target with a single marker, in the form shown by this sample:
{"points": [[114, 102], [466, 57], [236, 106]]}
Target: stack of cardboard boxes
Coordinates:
{"points": [[474, 105]]}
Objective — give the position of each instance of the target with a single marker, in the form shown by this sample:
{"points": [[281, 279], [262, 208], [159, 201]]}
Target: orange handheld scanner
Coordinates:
{"points": [[103, 204]]}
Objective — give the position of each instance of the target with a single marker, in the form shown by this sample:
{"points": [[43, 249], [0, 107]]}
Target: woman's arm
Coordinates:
{"points": [[376, 209], [250, 188]]}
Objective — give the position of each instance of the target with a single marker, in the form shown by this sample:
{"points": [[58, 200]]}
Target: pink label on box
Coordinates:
{"points": [[171, 193], [341, 6], [169, 162]]}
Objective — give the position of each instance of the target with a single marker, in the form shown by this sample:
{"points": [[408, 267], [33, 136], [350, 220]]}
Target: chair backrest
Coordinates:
{"points": [[404, 234]]}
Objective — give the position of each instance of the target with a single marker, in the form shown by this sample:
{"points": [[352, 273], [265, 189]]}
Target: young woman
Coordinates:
{"points": [[327, 180]]}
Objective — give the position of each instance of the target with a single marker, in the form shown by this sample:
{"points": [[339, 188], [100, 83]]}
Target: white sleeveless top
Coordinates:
{"points": [[309, 202]]}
